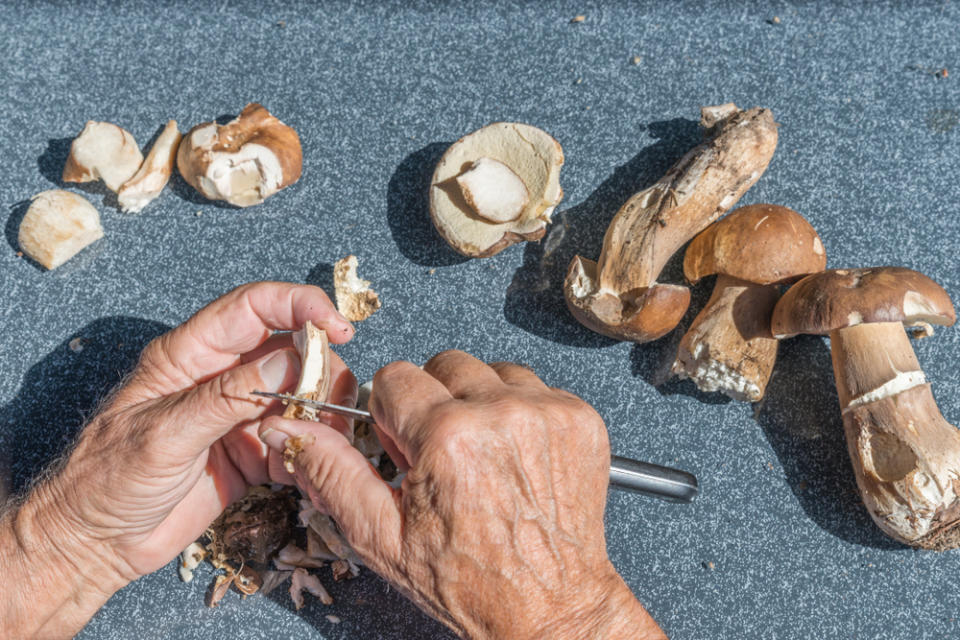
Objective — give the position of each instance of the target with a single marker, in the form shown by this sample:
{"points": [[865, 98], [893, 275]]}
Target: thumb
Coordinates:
{"points": [[341, 481]]}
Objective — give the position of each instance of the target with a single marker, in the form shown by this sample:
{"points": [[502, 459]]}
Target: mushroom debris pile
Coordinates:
{"points": [[905, 455], [618, 295], [729, 346], [271, 535]]}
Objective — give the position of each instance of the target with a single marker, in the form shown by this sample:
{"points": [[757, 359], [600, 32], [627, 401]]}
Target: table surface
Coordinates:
{"points": [[778, 545]]}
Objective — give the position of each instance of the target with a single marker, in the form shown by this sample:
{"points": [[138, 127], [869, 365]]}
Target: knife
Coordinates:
{"points": [[645, 478]]}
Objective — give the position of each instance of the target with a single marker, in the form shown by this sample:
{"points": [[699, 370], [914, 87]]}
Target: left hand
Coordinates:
{"points": [[178, 441]]}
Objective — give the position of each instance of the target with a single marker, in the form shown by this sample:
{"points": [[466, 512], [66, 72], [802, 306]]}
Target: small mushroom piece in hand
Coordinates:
{"points": [[905, 455], [103, 151], [729, 346], [244, 161], [154, 173], [496, 187], [618, 295], [314, 384], [57, 226]]}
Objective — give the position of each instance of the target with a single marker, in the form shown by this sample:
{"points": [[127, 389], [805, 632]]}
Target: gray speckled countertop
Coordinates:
{"points": [[778, 545]]}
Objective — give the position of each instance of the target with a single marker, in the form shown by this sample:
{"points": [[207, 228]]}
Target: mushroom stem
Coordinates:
{"points": [[729, 347], [905, 455]]}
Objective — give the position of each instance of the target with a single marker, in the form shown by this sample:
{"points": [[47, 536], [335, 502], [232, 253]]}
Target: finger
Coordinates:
{"points": [[341, 481], [462, 374], [214, 338], [282, 340], [517, 374], [209, 411], [402, 399]]}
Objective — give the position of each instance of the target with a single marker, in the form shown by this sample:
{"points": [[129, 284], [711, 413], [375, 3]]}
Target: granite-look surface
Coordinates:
{"points": [[778, 545]]}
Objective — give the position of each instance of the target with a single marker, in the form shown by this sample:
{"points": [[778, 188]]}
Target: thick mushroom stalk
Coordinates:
{"points": [[729, 346], [619, 295], [906, 456]]}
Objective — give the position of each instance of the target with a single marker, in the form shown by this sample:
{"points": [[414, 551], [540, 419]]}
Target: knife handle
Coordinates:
{"points": [[652, 480]]}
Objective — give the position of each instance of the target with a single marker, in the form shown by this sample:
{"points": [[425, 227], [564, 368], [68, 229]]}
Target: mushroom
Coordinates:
{"points": [[244, 161], [314, 384], [356, 301], [729, 346], [495, 187], [619, 296], [57, 226], [905, 455], [154, 173], [103, 151]]}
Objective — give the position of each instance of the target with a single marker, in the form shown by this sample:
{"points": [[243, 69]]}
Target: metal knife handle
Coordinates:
{"points": [[652, 480]]}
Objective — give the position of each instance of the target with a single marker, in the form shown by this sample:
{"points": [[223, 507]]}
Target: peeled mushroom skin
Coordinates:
{"points": [[103, 151], [58, 225], [531, 154], [153, 174], [244, 161]]}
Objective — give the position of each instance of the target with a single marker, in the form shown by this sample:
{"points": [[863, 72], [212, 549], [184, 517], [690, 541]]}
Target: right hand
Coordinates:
{"points": [[497, 530]]}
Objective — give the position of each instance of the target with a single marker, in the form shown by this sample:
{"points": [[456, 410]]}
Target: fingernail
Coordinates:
{"points": [[276, 440], [274, 370]]}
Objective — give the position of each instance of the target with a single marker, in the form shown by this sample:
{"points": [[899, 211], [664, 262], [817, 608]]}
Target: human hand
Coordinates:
{"points": [[497, 530], [173, 446]]}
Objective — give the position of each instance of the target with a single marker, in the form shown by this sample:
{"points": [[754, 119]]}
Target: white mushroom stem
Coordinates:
{"points": [[905, 455], [729, 348], [314, 384]]}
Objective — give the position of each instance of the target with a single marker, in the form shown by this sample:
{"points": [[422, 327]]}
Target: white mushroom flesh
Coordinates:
{"points": [[103, 151], [494, 191], [153, 174], [58, 225]]}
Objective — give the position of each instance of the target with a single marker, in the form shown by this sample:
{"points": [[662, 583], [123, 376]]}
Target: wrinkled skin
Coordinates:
{"points": [[497, 529]]}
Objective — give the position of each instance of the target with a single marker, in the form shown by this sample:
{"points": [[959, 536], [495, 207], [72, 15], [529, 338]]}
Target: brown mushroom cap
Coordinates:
{"points": [[838, 298], [759, 243]]}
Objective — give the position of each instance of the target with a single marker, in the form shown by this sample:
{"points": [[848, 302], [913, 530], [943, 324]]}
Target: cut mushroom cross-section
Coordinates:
{"points": [[729, 346], [619, 296], [58, 225], [103, 151], [905, 455]]}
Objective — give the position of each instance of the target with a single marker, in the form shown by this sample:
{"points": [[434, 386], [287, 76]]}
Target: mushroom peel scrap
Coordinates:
{"points": [[905, 455], [244, 161], [619, 296], [729, 346], [496, 187]]}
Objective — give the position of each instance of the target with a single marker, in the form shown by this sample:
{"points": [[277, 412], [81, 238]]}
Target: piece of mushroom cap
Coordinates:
{"points": [[479, 224], [729, 346], [244, 161], [905, 455]]}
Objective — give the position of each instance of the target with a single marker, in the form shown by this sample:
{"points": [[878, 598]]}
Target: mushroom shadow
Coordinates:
{"points": [[51, 163], [408, 210], [535, 300], [322, 276], [800, 417], [367, 606], [63, 389]]}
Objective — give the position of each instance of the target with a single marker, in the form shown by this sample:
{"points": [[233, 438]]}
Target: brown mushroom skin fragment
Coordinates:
{"points": [[905, 455], [729, 346], [653, 224]]}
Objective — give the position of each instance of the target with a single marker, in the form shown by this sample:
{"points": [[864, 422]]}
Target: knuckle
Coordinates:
{"points": [[388, 374], [444, 358]]}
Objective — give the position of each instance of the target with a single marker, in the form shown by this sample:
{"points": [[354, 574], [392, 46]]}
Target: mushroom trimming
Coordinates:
{"points": [[356, 301], [495, 187], [244, 161], [103, 151], [905, 455], [619, 296], [153, 174], [58, 225], [729, 346]]}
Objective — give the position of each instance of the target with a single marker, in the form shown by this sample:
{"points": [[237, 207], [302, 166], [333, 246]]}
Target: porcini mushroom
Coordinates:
{"points": [[244, 161], [314, 384], [103, 151], [905, 455], [619, 296], [57, 226], [729, 347], [495, 187], [153, 174]]}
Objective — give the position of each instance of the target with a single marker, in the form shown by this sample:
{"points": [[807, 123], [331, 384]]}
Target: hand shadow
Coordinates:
{"points": [[367, 606], [535, 300], [408, 210], [62, 390], [800, 416]]}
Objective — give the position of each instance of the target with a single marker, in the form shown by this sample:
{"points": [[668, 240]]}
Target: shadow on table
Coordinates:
{"points": [[408, 210], [535, 300], [367, 608], [800, 417], [63, 389]]}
